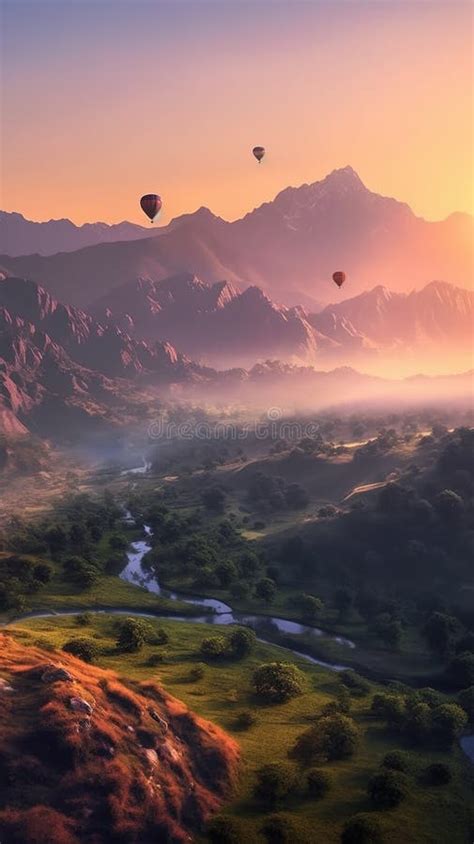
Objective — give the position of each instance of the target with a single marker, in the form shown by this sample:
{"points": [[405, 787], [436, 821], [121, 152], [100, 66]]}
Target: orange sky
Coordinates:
{"points": [[106, 100]]}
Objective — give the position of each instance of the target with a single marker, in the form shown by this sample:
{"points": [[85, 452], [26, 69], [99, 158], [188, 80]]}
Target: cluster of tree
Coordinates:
{"points": [[213, 556], [133, 633], [267, 494], [20, 577], [422, 718], [237, 644], [395, 562], [70, 537], [333, 736]]}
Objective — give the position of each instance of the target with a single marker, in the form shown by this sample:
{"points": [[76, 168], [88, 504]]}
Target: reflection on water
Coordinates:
{"points": [[267, 628]]}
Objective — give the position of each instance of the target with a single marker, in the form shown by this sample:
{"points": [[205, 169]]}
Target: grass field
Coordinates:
{"points": [[437, 815]]}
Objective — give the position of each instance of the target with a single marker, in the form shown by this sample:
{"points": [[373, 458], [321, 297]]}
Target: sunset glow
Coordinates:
{"points": [[106, 101]]}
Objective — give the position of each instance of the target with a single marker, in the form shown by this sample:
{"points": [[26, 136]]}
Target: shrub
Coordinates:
{"points": [[241, 642], [387, 789], [274, 783], [318, 783], [197, 672], [277, 682], [438, 774], [133, 633], [333, 737], [245, 720], [362, 829], [83, 648], [214, 647], [224, 830]]}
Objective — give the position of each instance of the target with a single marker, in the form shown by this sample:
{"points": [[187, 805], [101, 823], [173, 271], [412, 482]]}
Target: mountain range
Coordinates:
{"points": [[19, 236], [68, 375], [222, 326], [288, 247]]}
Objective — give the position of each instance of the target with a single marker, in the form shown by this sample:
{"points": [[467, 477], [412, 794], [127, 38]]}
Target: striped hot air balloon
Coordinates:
{"points": [[151, 205], [339, 278], [259, 152]]}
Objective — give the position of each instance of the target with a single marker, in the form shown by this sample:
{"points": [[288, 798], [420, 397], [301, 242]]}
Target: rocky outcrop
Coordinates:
{"points": [[84, 757]]}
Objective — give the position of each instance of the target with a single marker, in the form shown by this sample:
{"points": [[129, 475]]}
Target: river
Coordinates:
{"points": [[268, 628]]}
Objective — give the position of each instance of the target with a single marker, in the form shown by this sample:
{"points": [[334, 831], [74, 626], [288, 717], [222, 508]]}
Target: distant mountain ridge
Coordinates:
{"points": [[226, 327], [439, 312], [289, 247], [19, 236], [64, 374]]}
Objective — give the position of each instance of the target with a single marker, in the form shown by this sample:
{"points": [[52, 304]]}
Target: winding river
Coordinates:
{"points": [[269, 629]]}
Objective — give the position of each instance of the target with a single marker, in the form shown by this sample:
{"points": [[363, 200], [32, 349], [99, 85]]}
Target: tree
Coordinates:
{"points": [[133, 633], [43, 573], [57, 539], [277, 682], [388, 789], [226, 572], [318, 783], [214, 647], [334, 736], [85, 649], [439, 632], [310, 607], [266, 590], [274, 783], [448, 722], [417, 725], [363, 828], [241, 642], [83, 573], [391, 708]]}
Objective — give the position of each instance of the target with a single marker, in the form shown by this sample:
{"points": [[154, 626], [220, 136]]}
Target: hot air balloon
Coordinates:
{"points": [[151, 204], [339, 278], [259, 152]]}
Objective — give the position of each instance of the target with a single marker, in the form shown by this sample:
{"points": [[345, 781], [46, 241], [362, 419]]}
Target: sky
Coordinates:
{"points": [[104, 100]]}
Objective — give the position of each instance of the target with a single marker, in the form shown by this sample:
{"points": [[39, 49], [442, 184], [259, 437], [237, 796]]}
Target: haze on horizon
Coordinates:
{"points": [[105, 101]]}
